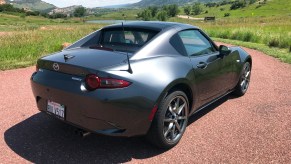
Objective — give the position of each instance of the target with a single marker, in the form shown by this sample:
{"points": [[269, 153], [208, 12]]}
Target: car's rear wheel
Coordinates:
{"points": [[170, 121], [244, 81]]}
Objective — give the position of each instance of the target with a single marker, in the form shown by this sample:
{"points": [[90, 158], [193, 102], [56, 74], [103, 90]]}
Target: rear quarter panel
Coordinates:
{"points": [[153, 77]]}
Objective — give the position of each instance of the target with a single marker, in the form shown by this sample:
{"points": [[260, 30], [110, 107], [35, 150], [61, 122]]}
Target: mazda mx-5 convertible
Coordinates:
{"points": [[139, 78]]}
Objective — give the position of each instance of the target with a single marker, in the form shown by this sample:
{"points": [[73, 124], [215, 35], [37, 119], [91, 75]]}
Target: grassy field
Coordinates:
{"points": [[272, 31], [24, 39], [271, 8], [20, 46]]}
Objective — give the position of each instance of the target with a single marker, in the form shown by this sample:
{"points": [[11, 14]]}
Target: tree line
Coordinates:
{"points": [[158, 13], [8, 8], [197, 8]]}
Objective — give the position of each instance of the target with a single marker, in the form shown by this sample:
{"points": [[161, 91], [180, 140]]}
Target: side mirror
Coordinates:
{"points": [[224, 50]]}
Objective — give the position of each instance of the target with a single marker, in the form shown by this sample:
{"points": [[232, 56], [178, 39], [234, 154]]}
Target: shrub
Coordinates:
{"points": [[196, 8], [247, 36], [274, 42], [187, 10], [258, 6], [252, 2], [237, 5], [162, 15], [223, 34], [284, 42], [226, 14]]}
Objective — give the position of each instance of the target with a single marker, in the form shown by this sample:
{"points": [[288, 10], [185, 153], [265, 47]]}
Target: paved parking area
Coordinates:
{"points": [[255, 128]]}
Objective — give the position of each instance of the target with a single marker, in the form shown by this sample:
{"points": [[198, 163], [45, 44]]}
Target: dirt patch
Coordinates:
{"points": [[5, 33]]}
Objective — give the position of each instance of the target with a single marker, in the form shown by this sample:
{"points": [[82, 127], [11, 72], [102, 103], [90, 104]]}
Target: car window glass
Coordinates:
{"points": [[176, 42], [127, 40], [128, 37], [195, 43]]}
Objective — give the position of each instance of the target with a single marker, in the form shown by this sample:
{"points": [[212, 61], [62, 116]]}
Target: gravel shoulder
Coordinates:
{"points": [[255, 128]]}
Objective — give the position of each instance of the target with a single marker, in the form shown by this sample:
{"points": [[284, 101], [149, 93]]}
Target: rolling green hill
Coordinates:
{"points": [[36, 5], [258, 9], [145, 3]]}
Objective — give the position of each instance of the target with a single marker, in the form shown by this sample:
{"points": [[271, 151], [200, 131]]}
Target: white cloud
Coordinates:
{"points": [[89, 3]]}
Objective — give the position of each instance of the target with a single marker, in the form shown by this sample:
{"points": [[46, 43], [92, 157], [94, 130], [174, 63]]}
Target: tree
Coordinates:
{"points": [[79, 12], [145, 15], [187, 10], [252, 1], [197, 9], [173, 10], [237, 4], [162, 15], [154, 10]]}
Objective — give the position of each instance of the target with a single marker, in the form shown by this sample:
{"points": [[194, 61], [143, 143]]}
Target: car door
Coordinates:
{"points": [[209, 68]]}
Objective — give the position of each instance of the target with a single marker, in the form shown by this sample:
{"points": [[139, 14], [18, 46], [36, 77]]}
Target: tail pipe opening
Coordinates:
{"points": [[82, 133]]}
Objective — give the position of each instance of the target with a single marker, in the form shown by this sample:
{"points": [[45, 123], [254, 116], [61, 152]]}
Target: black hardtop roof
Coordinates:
{"points": [[151, 25]]}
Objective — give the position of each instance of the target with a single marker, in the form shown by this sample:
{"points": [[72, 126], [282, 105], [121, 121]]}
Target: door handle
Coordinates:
{"points": [[202, 65]]}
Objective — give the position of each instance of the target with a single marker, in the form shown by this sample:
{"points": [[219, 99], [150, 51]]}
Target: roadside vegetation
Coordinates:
{"points": [[159, 13], [262, 25], [22, 46]]}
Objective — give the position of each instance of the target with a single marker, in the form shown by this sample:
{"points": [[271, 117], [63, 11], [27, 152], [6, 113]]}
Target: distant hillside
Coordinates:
{"points": [[145, 3], [66, 10], [36, 5], [117, 6]]}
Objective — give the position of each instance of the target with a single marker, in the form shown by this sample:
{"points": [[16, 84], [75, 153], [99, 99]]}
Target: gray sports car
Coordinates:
{"points": [[139, 78]]}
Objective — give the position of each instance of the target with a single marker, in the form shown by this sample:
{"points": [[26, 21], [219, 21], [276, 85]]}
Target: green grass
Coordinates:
{"points": [[24, 40], [130, 14], [282, 54], [271, 8], [21, 49], [14, 22]]}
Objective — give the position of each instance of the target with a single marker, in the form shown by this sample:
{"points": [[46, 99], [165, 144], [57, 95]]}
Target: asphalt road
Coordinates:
{"points": [[255, 128]]}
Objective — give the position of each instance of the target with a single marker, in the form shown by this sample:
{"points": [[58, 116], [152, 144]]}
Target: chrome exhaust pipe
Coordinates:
{"points": [[82, 133]]}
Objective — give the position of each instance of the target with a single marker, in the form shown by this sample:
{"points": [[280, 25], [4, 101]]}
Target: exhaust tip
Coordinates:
{"points": [[82, 133]]}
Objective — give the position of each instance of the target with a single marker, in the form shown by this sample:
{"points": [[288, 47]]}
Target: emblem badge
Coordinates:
{"points": [[56, 66]]}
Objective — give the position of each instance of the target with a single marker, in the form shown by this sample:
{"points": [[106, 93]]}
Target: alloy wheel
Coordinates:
{"points": [[175, 119], [245, 79]]}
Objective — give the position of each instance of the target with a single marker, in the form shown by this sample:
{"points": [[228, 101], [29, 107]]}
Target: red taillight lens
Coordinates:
{"points": [[93, 82], [36, 68], [113, 83]]}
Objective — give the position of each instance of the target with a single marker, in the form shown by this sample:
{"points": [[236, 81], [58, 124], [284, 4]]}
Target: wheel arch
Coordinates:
{"points": [[182, 85], [249, 59]]}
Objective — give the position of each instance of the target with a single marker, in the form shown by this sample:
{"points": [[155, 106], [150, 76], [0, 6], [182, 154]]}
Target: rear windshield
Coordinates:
{"points": [[129, 40]]}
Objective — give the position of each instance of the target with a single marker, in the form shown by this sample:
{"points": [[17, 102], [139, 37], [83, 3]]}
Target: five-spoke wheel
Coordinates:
{"points": [[244, 80], [170, 121], [175, 118]]}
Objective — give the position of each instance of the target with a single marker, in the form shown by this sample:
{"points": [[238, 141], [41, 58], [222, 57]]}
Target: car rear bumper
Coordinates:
{"points": [[115, 117]]}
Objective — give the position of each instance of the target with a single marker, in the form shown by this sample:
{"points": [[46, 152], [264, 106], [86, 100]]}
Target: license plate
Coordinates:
{"points": [[56, 109]]}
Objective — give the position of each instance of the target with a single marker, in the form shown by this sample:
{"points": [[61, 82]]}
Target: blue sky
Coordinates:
{"points": [[89, 3]]}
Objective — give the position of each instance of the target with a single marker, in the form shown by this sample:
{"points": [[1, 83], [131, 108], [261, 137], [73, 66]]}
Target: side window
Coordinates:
{"points": [[195, 43]]}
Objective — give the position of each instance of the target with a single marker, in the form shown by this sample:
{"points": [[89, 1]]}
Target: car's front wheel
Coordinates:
{"points": [[170, 121]]}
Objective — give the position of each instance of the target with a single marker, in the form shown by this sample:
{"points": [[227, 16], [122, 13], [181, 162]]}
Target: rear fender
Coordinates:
{"points": [[172, 85]]}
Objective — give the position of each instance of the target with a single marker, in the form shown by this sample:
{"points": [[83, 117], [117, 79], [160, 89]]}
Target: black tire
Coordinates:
{"points": [[244, 80], [170, 121]]}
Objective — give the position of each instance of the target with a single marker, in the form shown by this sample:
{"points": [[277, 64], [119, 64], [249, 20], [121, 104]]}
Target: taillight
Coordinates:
{"points": [[113, 83], [93, 82]]}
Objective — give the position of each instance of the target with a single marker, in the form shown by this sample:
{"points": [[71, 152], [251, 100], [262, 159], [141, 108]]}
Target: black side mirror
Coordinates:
{"points": [[224, 50]]}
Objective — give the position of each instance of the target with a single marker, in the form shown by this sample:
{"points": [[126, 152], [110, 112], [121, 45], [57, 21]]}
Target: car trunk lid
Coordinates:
{"points": [[81, 61]]}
